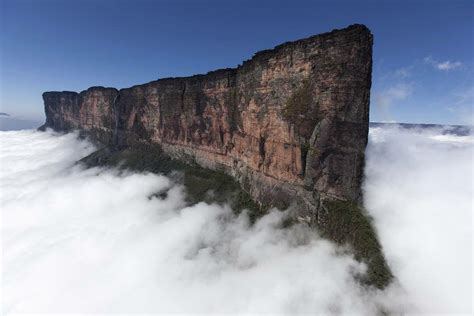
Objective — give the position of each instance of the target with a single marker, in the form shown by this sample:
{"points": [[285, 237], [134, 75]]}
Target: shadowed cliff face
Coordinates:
{"points": [[289, 125]]}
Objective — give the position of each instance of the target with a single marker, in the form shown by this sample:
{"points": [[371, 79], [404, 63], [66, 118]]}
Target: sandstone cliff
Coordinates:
{"points": [[290, 124]]}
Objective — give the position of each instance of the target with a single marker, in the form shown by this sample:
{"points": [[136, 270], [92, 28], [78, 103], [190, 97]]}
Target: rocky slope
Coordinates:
{"points": [[289, 125]]}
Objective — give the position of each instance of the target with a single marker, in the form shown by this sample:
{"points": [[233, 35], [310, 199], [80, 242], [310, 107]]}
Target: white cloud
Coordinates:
{"points": [[386, 98], [463, 106], [90, 241], [399, 92], [429, 60], [403, 72], [419, 190], [95, 241], [448, 65], [444, 65]]}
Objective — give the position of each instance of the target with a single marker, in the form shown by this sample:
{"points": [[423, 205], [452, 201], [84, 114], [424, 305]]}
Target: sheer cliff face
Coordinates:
{"points": [[290, 124]]}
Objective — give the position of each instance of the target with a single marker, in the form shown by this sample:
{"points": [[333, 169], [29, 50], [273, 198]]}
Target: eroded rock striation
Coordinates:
{"points": [[289, 125]]}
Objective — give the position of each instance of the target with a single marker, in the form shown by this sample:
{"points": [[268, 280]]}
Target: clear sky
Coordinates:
{"points": [[423, 51]]}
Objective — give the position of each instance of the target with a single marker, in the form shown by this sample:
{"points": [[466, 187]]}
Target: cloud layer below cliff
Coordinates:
{"points": [[419, 189], [92, 241]]}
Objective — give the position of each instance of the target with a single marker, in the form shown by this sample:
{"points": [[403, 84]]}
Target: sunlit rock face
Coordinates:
{"points": [[290, 124], [90, 111]]}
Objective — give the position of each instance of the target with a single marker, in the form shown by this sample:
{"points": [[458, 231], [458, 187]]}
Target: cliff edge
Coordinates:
{"points": [[290, 125]]}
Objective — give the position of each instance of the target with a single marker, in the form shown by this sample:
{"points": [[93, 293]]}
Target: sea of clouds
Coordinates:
{"points": [[78, 240]]}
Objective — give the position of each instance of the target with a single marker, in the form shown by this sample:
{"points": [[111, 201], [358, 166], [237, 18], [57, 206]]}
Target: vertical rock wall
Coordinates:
{"points": [[290, 124]]}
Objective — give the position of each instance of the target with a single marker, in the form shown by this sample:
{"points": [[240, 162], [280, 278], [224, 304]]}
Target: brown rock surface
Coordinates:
{"points": [[290, 124]]}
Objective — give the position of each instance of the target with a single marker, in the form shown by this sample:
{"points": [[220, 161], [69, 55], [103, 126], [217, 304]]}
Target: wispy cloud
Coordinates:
{"points": [[384, 99], [447, 65], [403, 72], [400, 91], [442, 65], [463, 106]]}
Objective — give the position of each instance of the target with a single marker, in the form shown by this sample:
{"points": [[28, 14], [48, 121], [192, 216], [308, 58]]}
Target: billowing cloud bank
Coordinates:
{"points": [[419, 189], [93, 241]]}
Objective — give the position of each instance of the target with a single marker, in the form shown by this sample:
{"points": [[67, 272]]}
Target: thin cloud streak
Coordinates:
{"points": [[386, 98], [442, 65]]}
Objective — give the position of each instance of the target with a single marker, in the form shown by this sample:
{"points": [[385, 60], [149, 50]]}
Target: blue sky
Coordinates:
{"points": [[423, 51]]}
